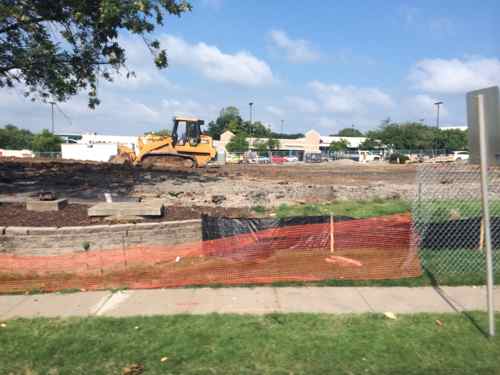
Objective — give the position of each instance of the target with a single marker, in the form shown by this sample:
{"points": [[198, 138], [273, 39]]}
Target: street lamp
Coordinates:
{"points": [[437, 104], [52, 115], [250, 105]]}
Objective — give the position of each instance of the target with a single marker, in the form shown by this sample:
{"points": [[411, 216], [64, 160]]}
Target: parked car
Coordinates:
{"points": [[460, 155], [277, 159], [291, 159], [313, 158], [263, 160]]}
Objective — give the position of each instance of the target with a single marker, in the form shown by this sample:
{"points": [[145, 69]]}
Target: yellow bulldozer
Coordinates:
{"points": [[186, 147]]}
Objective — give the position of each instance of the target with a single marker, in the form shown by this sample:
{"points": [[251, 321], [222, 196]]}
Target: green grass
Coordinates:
{"points": [[271, 344], [355, 209], [452, 209]]}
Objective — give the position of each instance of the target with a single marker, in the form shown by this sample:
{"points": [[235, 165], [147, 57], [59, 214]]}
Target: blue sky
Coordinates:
{"points": [[316, 65]]}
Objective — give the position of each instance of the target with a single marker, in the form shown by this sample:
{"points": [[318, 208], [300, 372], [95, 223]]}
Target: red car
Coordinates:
{"points": [[277, 159]]}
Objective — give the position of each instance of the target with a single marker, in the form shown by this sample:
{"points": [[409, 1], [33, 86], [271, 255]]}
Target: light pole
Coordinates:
{"points": [[282, 126], [250, 106], [437, 104], [52, 115]]}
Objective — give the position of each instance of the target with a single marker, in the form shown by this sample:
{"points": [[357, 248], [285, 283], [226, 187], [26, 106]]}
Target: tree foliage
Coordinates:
{"points": [[221, 124], [272, 144], [46, 142], [54, 49], [238, 143], [370, 144], [337, 146], [417, 136], [350, 132], [229, 119], [13, 138]]}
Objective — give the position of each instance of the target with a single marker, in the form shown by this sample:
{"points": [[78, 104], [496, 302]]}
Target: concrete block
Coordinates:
{"points": [[154, 208], [147, 226], [121, 227], [84, 229], [43, 206], [42, 230], [16, 231]]}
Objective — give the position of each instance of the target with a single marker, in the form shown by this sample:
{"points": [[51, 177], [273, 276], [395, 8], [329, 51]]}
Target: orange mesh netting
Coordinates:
{"points": [[364, 249]]}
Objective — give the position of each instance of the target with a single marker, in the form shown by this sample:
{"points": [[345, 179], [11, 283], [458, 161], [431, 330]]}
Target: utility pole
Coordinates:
{"points": [[52, 111], [437, 104]]}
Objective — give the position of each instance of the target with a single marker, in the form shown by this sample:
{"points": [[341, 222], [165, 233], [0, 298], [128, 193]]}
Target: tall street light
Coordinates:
{"points": [[437, 104], [52, 115], [250, 105]]}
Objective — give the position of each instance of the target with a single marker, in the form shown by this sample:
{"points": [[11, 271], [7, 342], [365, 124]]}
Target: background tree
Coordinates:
{"points": [[238, 143], [337, 146], [272, 144], [221, 124], [260, 146], [58, 48], [46, 142], [369, 144], [13, 138], [287, 135], [452, 139], [350, 132], [417, 136]]}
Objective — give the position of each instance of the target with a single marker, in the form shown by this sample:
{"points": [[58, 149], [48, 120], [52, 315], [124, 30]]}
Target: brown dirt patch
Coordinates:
{"points": [[16, 214]]}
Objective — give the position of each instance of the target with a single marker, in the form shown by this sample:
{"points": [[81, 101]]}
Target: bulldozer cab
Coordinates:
{"points": [[186, 130]]}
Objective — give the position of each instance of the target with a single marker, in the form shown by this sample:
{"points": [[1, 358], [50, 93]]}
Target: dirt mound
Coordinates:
{"points": [[16, 214], [345, 162]]}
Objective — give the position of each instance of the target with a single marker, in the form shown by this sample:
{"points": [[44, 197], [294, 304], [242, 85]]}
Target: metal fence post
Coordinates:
{"points": [[486, 214]]}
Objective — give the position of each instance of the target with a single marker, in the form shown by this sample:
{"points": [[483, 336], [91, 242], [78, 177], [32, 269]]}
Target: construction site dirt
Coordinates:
{"points": [[217, 186]]}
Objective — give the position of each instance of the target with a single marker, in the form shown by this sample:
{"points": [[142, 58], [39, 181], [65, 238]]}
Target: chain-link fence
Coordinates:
{"points": [[448, 227]]}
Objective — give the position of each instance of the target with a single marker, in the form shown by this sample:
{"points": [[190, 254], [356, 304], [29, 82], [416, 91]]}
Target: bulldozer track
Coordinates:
{"points": [[168, 161]]}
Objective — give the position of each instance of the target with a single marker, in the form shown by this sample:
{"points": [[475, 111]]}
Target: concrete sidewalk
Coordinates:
{"points": [[260, 300]]}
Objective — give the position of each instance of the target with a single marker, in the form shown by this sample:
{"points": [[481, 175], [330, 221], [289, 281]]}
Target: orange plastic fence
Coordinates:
{"points": [[365, 249]]}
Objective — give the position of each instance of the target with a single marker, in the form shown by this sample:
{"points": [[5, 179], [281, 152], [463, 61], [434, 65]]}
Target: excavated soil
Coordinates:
{"points": [[16, 214], [230, 186]]}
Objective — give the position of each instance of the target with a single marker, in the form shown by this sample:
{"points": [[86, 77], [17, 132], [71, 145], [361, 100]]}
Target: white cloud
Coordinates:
{"points": [[303, 104], [140, 63], [349, 99], [241, 68], [297, 50], [326, 123], [455, 76], [422, 106], [275, 110]]}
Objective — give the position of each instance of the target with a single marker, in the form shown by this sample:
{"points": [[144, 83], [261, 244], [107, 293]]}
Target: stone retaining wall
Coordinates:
{"points": [[64, 240]]}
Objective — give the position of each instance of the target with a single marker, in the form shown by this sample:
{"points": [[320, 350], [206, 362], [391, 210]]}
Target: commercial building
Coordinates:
{"points": [[312, 142]]}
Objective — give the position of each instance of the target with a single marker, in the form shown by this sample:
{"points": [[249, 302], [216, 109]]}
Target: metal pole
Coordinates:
{"points": [[486, 214], [437, 120], [282, 125], [52, 108]]}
